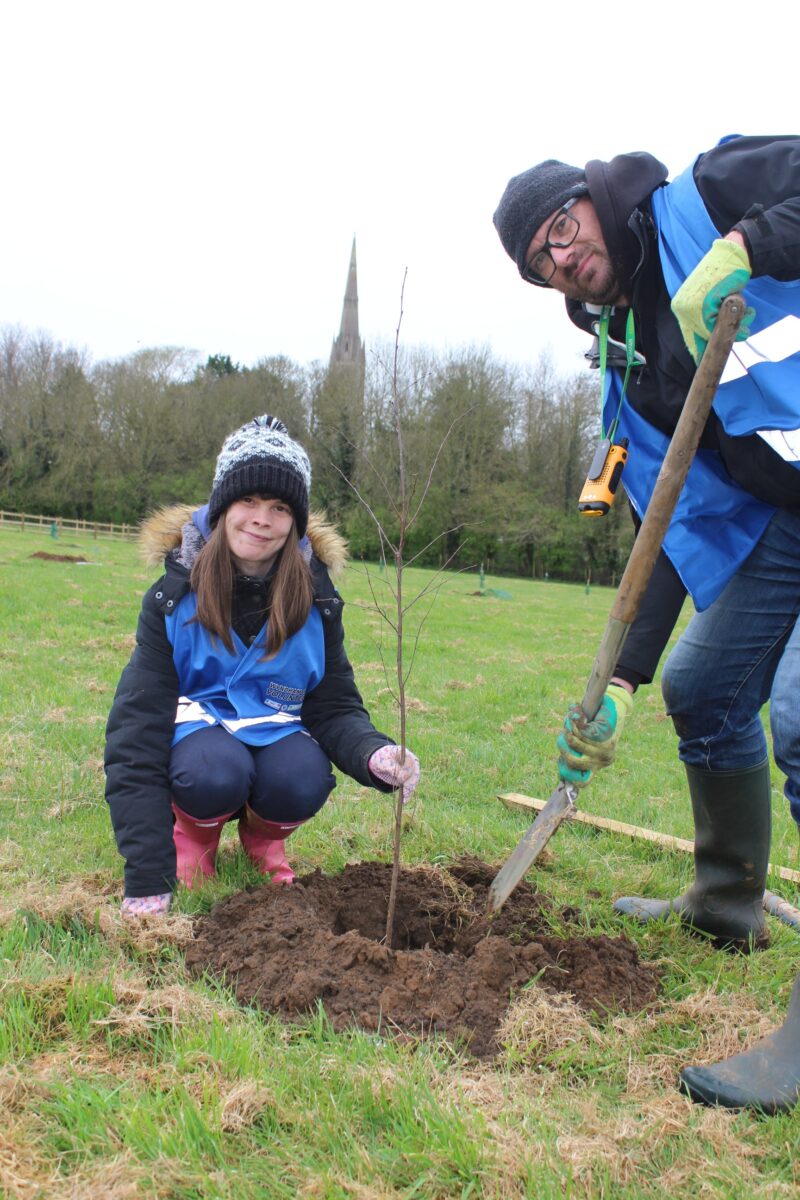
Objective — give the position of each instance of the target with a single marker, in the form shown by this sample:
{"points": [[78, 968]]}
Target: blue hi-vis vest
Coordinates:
{"points": [[717, 523], [258, 702]]}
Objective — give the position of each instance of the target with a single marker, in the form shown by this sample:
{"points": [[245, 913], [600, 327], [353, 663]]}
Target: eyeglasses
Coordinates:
{"points": [[562, 231]]}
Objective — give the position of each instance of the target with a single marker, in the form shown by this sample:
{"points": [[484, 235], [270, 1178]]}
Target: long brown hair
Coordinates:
{"points": [[291, 593]]}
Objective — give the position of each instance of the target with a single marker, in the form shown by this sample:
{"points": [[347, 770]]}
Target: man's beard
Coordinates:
{"points": [[600, 283]]}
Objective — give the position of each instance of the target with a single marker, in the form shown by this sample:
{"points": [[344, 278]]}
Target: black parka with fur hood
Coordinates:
{"points": [[141, 723]]}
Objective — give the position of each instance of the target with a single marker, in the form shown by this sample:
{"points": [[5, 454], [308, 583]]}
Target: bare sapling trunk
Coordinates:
{"points": [[404, 507], [398, 592]]}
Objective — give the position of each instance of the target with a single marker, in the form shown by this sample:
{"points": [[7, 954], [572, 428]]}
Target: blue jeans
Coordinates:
{"points": [[741, 652], [212, 772]]}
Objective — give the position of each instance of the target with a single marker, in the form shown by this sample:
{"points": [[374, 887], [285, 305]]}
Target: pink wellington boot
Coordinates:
{"points": [[264, 844], [196, 845]]}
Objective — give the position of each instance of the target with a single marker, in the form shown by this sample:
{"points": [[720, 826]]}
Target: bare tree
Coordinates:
{"points": [[403, 496]]}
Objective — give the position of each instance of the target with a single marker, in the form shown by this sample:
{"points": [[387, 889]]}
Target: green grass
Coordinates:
{"points": [[120, 1076]]}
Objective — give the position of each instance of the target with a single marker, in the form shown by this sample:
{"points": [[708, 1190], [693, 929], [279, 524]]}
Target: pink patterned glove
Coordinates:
{"points": [[140, 906], [384, 765]]}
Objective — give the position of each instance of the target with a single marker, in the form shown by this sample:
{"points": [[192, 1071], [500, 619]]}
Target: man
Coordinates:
{"points": [[635, 255]]}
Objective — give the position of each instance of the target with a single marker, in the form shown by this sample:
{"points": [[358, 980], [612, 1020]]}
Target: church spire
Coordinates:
{"points": [[348, 349]]}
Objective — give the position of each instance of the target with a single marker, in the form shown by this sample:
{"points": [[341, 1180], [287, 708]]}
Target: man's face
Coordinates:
{"points": [[583, 269]]}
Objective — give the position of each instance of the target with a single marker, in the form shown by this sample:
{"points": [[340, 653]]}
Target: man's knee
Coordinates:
{"points": [[682, 690]]}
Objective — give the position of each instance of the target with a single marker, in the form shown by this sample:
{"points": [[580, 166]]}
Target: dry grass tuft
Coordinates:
{"points": [[94, 899], [243, 1105], [537, 1024], [85, 896], [724, 1019], [624, 1143], [58, 715], [597, 1147], [514, 722], [25, 1173], [16, 1090], [121, 1178], [320, 1189], [140, 1007], [10, 857], [726, 1025], [512, 1108], [462, 685]]}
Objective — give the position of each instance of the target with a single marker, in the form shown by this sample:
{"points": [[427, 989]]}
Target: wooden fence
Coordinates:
{"points": [[58, 525]]}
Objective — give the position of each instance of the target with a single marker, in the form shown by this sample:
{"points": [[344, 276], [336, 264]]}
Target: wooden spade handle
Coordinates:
{"points": [[671, 479], [635, 579]]}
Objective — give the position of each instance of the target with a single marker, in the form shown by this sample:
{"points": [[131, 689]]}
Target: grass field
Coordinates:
{"points": [[120, 1077]]}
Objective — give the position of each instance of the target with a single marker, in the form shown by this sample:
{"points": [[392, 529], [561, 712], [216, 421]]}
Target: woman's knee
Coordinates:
{"points": [[210, 776], [293, 780], [293, 798]]}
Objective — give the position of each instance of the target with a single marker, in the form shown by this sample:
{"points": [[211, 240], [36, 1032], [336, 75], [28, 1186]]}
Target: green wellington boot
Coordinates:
{"points": [[733, 824], [765, 1077]]}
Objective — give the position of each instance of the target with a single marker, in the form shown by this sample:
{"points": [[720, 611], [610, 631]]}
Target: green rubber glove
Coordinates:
{"points": [[584, 751], [725, 269]]}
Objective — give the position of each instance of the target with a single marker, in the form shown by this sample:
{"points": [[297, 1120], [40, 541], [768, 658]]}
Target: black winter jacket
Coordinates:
{"points": [[141, 723], [751, 184]]}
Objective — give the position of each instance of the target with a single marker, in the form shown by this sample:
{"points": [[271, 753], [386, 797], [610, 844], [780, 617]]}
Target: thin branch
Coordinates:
{"points": [[442, 445], [383, 612], [433, 541], [383, 535], [362, 455], [440, 570]]}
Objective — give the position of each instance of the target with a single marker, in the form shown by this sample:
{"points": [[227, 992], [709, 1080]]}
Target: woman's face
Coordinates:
{"points": [[257, 528]]}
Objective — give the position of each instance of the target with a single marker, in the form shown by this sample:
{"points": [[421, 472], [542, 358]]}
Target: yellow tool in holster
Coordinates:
{"points": [[602, 482]]}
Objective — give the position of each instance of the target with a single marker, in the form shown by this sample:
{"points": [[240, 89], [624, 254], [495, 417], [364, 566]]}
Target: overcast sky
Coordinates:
{"points": [[192, 174]]}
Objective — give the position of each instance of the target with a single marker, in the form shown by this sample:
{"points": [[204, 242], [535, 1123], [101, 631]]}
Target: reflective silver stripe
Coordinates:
{"points": [[785, 442], [773, 344], [276, 719], [190, 710]]}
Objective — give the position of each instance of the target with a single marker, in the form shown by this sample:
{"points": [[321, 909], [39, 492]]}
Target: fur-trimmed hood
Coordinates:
{"points": [[163, 531]]}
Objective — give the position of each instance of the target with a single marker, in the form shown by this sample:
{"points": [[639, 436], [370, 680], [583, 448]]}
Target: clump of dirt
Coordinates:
{"points": [[452, 969], [58, 557]]}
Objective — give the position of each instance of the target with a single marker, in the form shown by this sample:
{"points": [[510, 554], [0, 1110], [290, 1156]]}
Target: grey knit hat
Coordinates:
{"points": [[261, 459], [529, 199]]}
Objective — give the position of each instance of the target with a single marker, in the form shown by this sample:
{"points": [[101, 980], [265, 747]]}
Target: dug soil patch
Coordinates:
{"points": [[58, 557], [452, 970]]}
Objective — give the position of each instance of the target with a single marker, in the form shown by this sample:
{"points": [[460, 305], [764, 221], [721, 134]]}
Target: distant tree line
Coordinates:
{"points": [[504, 451]]}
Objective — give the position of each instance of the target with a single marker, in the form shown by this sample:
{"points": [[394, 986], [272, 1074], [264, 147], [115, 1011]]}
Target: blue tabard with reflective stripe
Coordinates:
{"points": [[716, 523], [256, 701], [760, 387]]}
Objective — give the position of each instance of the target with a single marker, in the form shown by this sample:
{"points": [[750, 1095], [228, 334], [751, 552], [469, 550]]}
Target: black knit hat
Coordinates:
{"points": [[529, 199], [261, 459]]}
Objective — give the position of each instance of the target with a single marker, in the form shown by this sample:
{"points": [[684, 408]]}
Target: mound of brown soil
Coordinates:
{"points": [[452, 969]]}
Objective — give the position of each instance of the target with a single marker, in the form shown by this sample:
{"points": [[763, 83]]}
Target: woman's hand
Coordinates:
{"points": [[385, 765], [146, 906]]}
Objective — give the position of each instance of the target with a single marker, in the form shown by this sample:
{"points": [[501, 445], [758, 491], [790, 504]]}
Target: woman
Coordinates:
{"points": [[239, 693]]}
